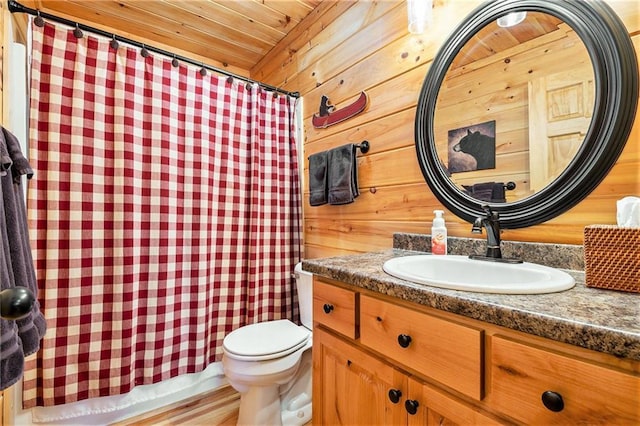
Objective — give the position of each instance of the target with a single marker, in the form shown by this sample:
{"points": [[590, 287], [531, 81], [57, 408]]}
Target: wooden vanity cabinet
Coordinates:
{"points": [[447, 352], [438, 408], [354, 387], [550, 388], [452, 370], [351, 387], [335, 308]]}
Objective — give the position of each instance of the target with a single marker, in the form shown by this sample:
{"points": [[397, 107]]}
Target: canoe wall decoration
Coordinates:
{"points": [[328, 115]]}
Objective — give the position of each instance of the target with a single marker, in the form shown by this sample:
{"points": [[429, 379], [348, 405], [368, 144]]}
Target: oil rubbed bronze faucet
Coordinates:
{"points": [[491, 222]]}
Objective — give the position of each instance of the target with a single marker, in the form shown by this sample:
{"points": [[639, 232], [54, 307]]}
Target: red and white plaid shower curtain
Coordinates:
{"points": [[164, 213]]}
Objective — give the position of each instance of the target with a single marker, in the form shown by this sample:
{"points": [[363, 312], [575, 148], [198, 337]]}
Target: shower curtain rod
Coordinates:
{"points": [[15, 7]]}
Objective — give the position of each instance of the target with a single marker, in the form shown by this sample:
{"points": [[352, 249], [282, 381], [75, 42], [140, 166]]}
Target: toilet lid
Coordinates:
{"points": [[266, 339]]}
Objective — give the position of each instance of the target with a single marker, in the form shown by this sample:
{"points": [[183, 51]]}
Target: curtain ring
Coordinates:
{"points": [[174, 61], [144, 52], [230, 80], [38, 20], [77, 33], [248, 86], [203, 70], [114, 43]]}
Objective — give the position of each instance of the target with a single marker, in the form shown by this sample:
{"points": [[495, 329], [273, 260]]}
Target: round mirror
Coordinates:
{"points": [[526, 108]]}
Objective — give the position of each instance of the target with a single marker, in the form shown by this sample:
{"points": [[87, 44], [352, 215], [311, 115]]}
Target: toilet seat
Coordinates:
{"points": [[265, 340]]}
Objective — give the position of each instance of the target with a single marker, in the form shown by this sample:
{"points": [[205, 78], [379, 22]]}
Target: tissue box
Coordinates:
{"points": [[612, 257]]}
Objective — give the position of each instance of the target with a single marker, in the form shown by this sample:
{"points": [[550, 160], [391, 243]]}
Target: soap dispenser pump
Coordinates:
{"points": [[438, 234]]}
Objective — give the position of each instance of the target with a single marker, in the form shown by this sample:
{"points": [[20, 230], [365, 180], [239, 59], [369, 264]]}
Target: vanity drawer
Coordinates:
{"points": [[444, 351], [582, 392], [335, 307]]}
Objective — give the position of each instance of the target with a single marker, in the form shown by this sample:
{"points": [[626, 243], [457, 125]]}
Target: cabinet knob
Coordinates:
{"points": [[404, 340], [411, 405], [327, 308], [395, 395], [553, 401]]}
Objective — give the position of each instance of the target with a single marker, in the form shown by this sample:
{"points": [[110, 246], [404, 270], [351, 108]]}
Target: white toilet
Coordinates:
{"points": [[269, 363]]}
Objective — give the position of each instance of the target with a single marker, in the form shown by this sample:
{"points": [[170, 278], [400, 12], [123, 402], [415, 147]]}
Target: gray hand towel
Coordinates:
{"points": [[32, 327], [11, 354], [318, 178], [488, 191], [343, 174], [20, 165], [5, 159]]}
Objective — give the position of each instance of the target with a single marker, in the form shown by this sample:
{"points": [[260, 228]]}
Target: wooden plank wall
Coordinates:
{"points": [[345, 47]]}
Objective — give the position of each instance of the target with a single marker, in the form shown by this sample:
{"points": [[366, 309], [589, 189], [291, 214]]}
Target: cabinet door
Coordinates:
{"points": [[351, 387], [428, 405]]}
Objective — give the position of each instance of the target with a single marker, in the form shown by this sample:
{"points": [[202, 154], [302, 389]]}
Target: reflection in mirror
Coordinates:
{"points": [[607, 110], [514, 108]]}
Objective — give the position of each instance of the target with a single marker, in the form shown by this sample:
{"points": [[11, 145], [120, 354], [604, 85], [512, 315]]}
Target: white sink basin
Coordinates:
{"points": [[462, 273]]}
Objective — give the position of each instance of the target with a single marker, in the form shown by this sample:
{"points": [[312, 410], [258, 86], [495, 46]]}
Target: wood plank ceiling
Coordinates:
{"points": [[235, 33]]}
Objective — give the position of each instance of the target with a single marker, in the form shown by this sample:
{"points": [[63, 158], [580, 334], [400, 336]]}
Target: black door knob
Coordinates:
{"points": [[327, 308], [404, 340], [395, 395], [553, 401], [411, 405]]}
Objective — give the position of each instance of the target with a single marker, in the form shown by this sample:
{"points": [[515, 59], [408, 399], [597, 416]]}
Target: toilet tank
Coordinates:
{"points": [[304, 284]]}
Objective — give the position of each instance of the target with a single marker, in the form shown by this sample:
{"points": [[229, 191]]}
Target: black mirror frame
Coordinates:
{"points": [[616, 84]]}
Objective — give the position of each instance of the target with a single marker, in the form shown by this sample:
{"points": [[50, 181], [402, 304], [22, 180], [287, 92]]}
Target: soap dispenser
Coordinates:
{"points": [[438, 234]]}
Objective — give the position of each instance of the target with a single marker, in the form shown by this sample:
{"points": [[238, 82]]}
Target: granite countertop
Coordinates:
{"points": [[597, 319]]}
